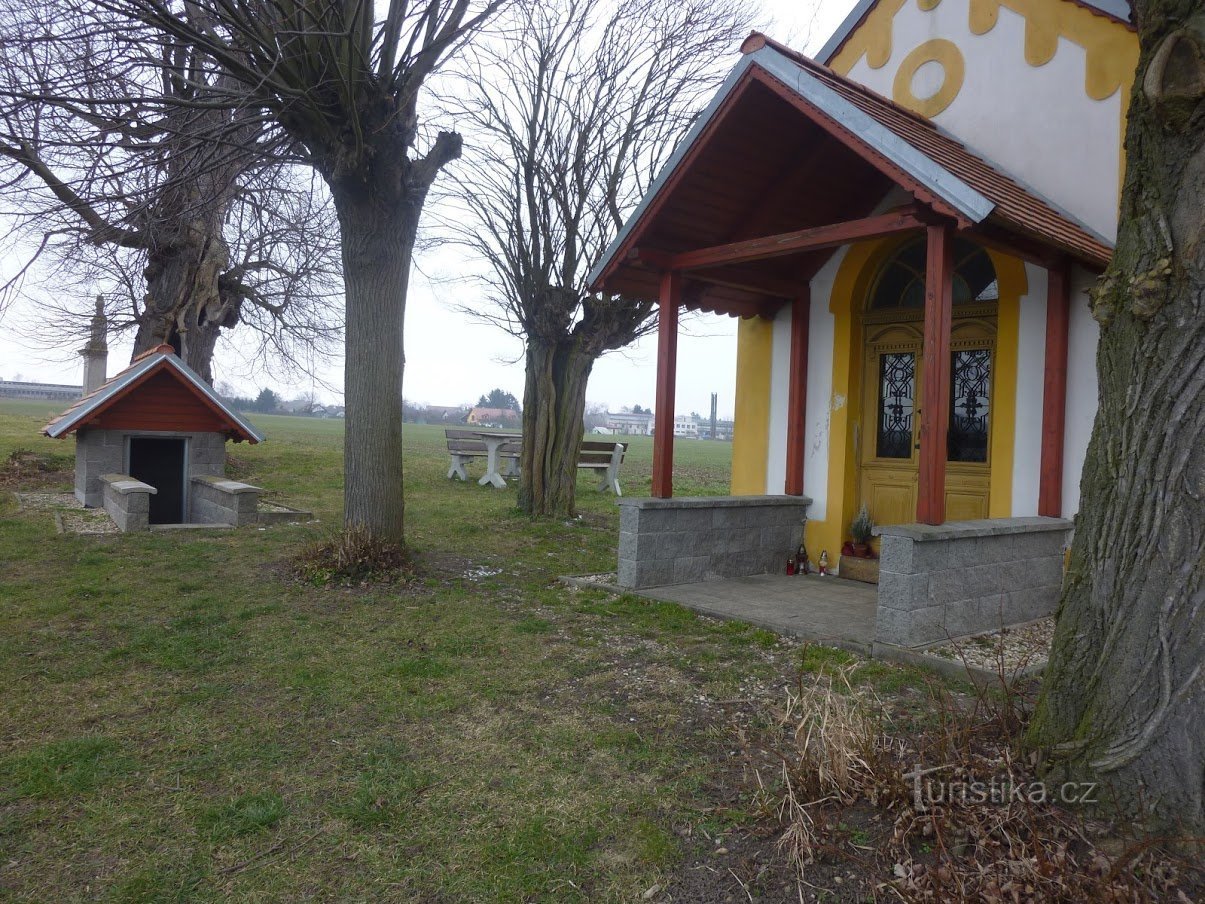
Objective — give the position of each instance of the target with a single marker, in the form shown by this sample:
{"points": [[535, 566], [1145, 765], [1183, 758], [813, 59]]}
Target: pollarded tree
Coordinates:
{"points": [[1123, 700], [571, 115], [342, 87], [109, 167]]}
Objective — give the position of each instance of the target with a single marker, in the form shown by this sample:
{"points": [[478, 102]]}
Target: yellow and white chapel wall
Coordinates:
{"points": [[1036, 86], [833, 412]]}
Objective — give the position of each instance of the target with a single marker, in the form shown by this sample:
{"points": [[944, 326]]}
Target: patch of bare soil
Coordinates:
{"points": [[34, 470]]}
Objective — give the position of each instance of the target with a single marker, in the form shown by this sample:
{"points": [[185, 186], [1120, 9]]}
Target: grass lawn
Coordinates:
{"points": [[182, 721]]}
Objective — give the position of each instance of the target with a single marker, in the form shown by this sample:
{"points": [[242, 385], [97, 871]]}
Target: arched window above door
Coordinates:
{"points": [[900, 284]]}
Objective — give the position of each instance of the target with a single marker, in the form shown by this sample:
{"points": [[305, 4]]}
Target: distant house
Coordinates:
{"points": [[493, 417], [627, 423], [50, 392]]}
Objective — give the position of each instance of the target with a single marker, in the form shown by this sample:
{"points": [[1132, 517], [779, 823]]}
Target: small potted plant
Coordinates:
{"points": [[861, 528]]}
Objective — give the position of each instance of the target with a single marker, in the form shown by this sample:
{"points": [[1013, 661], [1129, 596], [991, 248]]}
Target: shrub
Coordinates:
{"points": [[354, 556]]}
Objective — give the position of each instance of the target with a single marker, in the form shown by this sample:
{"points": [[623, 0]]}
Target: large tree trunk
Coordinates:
{"points": [[554, 408], [377, 241], [184, 305], [1123, 700]]}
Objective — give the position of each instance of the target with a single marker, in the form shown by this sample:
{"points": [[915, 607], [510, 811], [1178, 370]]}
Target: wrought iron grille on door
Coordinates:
{"points": [[897, 398]]}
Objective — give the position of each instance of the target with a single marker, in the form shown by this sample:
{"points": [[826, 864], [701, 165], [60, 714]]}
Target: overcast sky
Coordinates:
{"points": [[449, 358]]}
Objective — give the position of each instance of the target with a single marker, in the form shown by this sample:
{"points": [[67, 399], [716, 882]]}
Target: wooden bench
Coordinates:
{"points": [[606, 458], [466, 445]]}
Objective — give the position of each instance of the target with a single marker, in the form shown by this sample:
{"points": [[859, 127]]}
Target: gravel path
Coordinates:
{"points": [[1012, 648]]}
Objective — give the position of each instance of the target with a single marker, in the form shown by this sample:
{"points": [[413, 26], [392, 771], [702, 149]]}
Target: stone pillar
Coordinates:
{"points": [[96, 352]]}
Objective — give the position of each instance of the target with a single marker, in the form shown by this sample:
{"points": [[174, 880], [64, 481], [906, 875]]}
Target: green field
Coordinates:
{"points": [[183, 720]]}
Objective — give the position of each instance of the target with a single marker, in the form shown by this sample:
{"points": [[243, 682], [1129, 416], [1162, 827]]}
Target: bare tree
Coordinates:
{"points": [[112, 168], [575, 111], [1124, 695], [338, 88]]}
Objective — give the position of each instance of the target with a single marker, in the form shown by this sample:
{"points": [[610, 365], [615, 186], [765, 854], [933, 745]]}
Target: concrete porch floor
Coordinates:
{"points": [[828, 610]]}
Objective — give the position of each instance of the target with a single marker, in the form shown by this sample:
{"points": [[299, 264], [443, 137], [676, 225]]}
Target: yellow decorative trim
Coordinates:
{"points": [[1013, 285], [949, 57], [872, 39], [1111, 48], [751, 431]]}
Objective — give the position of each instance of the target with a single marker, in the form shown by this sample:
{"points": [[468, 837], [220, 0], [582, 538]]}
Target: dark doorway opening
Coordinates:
{"points": [[160, 462]]}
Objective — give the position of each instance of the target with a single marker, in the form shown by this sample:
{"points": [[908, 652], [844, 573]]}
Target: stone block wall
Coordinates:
{"points": [[97, 452], [206, 454], [680, 541], [967, 577], [215, 500], [127, 501]]}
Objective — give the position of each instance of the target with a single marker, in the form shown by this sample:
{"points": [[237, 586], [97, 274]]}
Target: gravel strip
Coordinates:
{"points": [[1011, 648]]}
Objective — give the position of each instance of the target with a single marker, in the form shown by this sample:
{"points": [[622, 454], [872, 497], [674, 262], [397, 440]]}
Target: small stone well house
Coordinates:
{"points": [[150, 446]]}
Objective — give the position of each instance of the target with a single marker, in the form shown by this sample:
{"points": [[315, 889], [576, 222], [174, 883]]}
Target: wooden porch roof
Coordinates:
{"points": [[788, 145]]}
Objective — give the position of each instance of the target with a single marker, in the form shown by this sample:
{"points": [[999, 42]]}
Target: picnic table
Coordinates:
{"points": [[493, 442], [496, 447]]}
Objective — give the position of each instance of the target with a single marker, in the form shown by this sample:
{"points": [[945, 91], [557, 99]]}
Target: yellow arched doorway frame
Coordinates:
{"points": [[857, 271]]}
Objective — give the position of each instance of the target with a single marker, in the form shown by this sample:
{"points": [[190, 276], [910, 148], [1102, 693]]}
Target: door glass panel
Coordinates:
{"points": [[970, 389], [897, 389]]}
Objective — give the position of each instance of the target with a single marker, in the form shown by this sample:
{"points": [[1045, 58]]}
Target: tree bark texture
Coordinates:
{"points": [[1123, 701], [377, 243], [554, 409], [184, 305], [186, 249]]}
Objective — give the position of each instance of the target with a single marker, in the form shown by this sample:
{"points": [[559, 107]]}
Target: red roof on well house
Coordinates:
{"points": [[157, 391]]}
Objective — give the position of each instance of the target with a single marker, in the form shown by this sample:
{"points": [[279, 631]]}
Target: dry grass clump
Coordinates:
{"points": [[354, 556], [28, 469], [837, 753], [961, 813]]}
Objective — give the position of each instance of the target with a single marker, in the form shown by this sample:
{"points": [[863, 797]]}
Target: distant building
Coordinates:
{"points": [[493, 417], [723, 430], [686, 425], [443, 414], [626, 423], [50, 392]]}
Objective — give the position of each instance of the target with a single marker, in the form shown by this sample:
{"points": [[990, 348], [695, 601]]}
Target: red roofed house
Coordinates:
{"points": [[151, 443], [906, 228]]}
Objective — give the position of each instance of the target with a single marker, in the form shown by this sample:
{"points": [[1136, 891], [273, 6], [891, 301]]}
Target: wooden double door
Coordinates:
{"points": [[889, 428]]}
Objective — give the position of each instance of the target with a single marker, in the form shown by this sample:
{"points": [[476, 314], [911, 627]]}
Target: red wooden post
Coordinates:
{"points": [[1054, 391], [667, 372], [797, 397], [935, 402]]}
